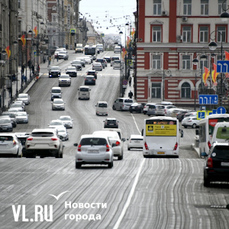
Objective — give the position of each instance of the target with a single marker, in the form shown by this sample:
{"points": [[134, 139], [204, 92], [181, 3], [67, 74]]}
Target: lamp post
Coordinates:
{"points": [[195, 62], [225, 15]]}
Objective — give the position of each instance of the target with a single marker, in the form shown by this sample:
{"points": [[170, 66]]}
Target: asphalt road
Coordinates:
{"points": [[137, 193]]}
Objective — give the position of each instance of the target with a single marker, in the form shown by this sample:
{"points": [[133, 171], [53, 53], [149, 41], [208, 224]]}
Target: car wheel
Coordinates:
{"points": [[185, 126], [128, 148], [113, 107], [78, 165], [120, 157], [110, 165], [206, 180], [194, 125]]}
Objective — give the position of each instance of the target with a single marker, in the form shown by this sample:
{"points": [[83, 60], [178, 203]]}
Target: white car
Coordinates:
{"points": [[67, 121], [97, 66], [117, 143], [58, 104], [10, 145], [64, 80], [94, 149], [44, 143], [24, 97], [135, 141], [190, 121], [56, 123], [22, 117], [62, 134]]}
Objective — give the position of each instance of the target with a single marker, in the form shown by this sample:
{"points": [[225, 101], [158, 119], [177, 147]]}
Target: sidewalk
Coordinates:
{"points": [[130, 87]]}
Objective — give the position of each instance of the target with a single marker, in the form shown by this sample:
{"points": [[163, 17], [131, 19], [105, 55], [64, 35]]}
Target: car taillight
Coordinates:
{"points": [[117, 143], [14, 142], [30, 139], [54, 139], [146, 146], [175, 147], [209, 145], [210, 162], [79, 148], [107, 148]]}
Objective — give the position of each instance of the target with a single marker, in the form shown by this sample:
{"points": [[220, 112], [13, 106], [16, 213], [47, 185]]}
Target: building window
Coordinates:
{"points": [[204, 34], [204, 63], [185, 91], [156, 33], [222, 6], [157, 7], [156, 63], [187, 10], [221, 34], [19, 4], [156, 90], [186, 34], [204, 7], [186, 62]]}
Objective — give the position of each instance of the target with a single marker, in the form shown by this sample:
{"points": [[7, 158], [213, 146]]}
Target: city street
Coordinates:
{"points": [[137, 193]]}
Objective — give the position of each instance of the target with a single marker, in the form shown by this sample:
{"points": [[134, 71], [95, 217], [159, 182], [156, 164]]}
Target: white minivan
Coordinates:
{"points": [[101, 108], [84, 92], [220, 133]]}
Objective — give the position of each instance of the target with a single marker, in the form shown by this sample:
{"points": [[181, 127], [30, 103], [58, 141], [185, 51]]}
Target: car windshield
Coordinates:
{"points": [[102, 105], [58, 101], [55, 123], [21, 114], [128, 101], [84, 89], [42, 134], [93, 141], [64, 76], [6, 138], [65, 118]]}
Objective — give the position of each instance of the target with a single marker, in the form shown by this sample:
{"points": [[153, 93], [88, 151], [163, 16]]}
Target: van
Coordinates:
{"points": [[101, 108], [221, 133], [56, 93], [122, 104], [84, 92], [117, 49]]}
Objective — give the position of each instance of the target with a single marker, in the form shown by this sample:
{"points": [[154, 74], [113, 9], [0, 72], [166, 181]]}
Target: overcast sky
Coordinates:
{"points": [[108, 15]]}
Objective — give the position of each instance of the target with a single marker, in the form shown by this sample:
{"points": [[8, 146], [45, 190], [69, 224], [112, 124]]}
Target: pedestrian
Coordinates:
{"points": [[57, 57], [130, 81], [130, 94], [32, 69]]}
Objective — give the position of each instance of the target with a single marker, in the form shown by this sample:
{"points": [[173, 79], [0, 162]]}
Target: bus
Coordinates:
{"points": [[90, 50], [205, 131], [161, 137]]}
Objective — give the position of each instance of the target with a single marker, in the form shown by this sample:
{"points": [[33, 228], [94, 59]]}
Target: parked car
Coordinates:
{"points": [[111, 123], [6, 124], [64, 80], [172, 112], [97, 66], [136, 107], [54, 71], [102, 61], [217, 164], [135, 141], [93, 73], [63, 55], [90, 80], [17, 105], [58, 104], [44, 143], [22, 117], [122, 104], [71, 71], [24, 97], [22, 136], [62, 134], [93, 149], [77, 64], [190, 121], [67, 121], [12, 117], [10, 145]]}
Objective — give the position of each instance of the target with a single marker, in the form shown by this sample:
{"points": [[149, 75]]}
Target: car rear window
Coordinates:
{"points": [[93, 141], [56, 91], [128, 101], [6, 138], [42, 134], [223, 133], [102, 105], [83, 89], [220, 152]]}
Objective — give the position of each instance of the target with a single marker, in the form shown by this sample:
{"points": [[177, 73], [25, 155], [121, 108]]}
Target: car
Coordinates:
{"points": [[63, 55], [58, 104], [15, 109], [12, 117], [216, 167], [22, 117], [84, 92], [71, 71], [56, 123], [146, 107], [113, 58], [77, 64], [24, 97], [54, 71], [10, 145], [117, 143], [22, 136], [136, 107], [122, 104], [97, 66], [172, 112], [56, 53], [102, 61], [56, 93], [135, 141], [17, 105], [107, 58], [62, 134], [88, 60], [168, 107], [82, 60], [93, 73], [111, 123], [160, 110], [64, 80], [67, 121], [101, 108], [190, 121], [6, 124], [44, 142], [117, 64], [181, 114], [93, 149], [89, 80]]}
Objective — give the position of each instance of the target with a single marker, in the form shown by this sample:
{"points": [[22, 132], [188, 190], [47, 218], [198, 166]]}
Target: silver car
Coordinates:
{"points": [[94, 150], [12, 117], [97, 66], [62, 134], [67, 121], [64, 80], [10, 145], [22, 117], [58, 104], [24, 97], [6, 124]]}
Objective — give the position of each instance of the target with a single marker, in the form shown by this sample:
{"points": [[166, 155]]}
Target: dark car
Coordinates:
{"points": [[110, 123], [136, 107], [54, 71], [108, 59], [102, 61], [93, 73], [217, 164], [89, 80], [181, 114]]}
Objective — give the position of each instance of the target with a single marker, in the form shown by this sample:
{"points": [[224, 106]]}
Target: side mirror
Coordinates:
{"points": [[142, 131], [75, 144], [123, 139]]}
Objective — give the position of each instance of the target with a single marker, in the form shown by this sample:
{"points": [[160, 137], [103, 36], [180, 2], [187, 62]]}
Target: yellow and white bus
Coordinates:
{"points": [[161, 137]]}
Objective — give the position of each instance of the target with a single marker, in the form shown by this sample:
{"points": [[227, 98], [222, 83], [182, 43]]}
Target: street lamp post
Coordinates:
{"points": [[195, 62]]}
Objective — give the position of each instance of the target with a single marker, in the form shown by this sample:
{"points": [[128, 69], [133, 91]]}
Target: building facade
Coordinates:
{"points": [[170, 34]]}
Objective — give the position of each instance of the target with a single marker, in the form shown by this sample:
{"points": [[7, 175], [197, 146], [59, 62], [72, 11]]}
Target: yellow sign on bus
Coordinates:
{"points": [[161, 130]]}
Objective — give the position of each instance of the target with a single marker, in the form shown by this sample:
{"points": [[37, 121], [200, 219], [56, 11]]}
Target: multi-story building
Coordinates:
{"points": [[170, 34]]}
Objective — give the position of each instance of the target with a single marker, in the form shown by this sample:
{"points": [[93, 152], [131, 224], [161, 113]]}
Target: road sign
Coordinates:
{"points": [[221, 110], [208, 99], [124, 82], [201, 114], [222, 66]]}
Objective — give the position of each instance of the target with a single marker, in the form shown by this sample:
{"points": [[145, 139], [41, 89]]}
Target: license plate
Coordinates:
{"points": [[93, 151], [137, 141], [224, 163], [160, 152]]}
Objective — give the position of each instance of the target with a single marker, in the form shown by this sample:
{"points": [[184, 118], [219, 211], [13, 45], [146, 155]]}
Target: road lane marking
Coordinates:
{"points": [[135, 123], [116, 226]]}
